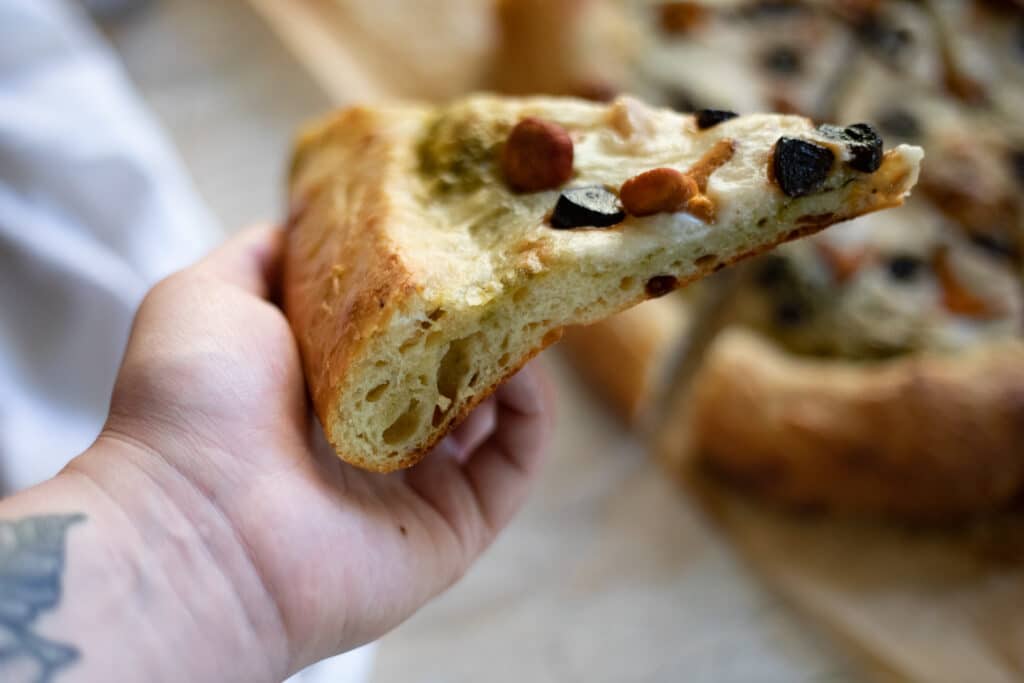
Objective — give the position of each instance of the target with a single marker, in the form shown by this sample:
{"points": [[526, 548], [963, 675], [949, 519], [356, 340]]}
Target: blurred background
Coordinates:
{"points": [[135, 134]]}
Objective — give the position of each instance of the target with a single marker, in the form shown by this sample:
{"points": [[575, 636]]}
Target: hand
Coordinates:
{"points": [[210, 409]]}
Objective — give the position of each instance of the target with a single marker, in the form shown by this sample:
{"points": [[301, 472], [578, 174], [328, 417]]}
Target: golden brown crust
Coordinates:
{"points": [[411, 458], [341, 280], [922, 437]]}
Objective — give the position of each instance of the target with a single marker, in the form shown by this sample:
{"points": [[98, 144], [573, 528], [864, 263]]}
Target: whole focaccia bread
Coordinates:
{"points": [[432, 251], [929, 436]]}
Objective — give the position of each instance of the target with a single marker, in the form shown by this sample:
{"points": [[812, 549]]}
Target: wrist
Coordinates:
{"points": [[180, 591]]}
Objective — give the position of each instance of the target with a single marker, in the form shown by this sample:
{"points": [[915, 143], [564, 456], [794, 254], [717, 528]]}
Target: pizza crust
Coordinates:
{"points": [[926, 436]]}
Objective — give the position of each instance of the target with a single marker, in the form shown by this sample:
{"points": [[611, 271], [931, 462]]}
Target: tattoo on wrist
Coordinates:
{"points": [[31, 572]]}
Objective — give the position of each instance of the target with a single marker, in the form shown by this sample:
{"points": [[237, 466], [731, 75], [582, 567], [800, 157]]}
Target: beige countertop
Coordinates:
{"points": [[610, 574]]}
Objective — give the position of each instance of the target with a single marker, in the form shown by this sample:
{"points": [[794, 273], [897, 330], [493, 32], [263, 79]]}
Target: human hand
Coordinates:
{"points": [[210, 423]]}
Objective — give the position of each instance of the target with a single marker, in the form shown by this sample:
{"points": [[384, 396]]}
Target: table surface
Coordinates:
{"points": [[611, 573]]}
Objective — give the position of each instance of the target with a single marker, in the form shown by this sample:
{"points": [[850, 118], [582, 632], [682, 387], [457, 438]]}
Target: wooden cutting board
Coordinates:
{"points": [[936, 605]]}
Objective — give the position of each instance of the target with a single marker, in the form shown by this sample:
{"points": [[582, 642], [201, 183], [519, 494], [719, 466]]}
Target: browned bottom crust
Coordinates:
{"points": [[927, 436]]}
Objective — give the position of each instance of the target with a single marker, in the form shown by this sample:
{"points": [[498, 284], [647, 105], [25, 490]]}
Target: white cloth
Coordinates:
{"points": [[94, 208]]}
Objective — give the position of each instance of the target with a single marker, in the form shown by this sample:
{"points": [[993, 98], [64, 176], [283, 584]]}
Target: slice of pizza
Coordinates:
{"points": [[432, 251]]}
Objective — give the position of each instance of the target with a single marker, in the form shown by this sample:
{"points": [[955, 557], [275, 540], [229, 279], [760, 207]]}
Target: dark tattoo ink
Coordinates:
{"points": [[31, 571]]}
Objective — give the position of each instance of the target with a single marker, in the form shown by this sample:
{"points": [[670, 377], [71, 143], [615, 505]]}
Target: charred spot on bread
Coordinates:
{"points": [[587, 207], [660, 285], [707, 118], [800, 167]]}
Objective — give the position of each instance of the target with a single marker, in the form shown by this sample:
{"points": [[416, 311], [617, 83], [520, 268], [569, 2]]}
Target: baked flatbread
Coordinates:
{"points": [[432, 251], [889, 363], [872, 369], [927, 436]]}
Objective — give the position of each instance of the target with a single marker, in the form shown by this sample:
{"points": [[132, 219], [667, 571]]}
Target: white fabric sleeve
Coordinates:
{"points": [[94, 208]]}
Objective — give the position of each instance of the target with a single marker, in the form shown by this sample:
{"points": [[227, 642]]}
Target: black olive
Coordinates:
{"points": [[783, 60], [790, 313], [899, 123], [801, 167], [660, 285], [590, 207], [904, 267], [865, 146], [995, 245], [706, 118], [863, 142], [771, 272]]}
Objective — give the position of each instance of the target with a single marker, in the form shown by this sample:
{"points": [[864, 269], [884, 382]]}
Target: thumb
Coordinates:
{"points": [[249, 260]]}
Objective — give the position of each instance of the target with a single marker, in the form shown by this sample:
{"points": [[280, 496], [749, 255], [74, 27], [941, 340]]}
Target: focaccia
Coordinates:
{"points": [[929, 436], [889, 369], [876, 369], [432, 251]]}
